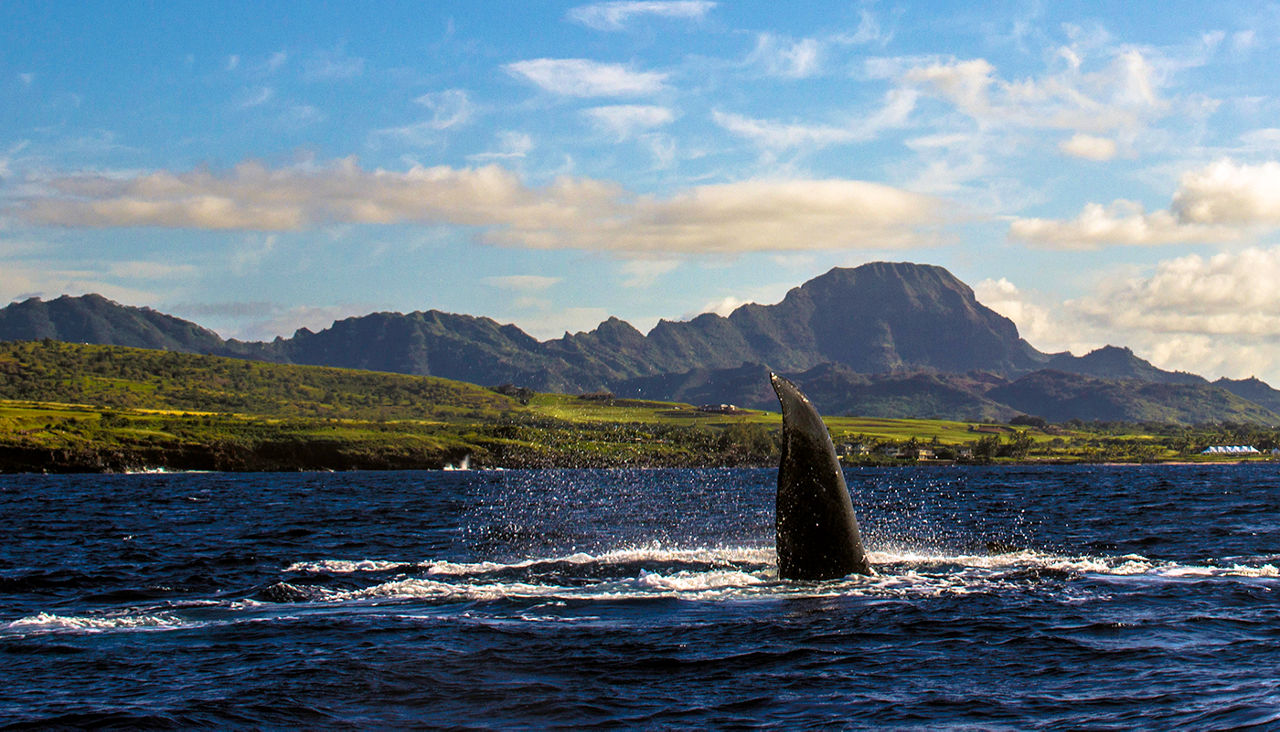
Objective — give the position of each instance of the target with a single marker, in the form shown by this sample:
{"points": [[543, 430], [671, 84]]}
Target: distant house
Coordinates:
{"points": [[719, 408], [853, 448], [1230, 450]]}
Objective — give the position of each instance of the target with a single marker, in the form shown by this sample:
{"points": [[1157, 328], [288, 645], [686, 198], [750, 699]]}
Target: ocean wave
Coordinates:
{"points": [[723, 573], [348, 566], [51, 623]]}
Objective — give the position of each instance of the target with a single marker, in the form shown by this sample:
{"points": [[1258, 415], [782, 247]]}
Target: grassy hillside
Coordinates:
{"points": [[114, 376], [90, 408]]}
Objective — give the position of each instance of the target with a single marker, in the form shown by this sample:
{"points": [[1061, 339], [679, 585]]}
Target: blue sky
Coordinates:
{"points": [[1099, 172]]}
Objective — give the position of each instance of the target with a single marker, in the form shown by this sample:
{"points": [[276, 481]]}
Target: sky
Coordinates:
{"points": [[1101, 173]]}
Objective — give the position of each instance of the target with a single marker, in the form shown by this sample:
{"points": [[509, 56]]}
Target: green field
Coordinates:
{"points": [[80, 407]]}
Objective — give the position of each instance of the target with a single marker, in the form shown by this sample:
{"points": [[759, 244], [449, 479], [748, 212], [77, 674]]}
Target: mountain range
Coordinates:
{"points": [[882, 339]]}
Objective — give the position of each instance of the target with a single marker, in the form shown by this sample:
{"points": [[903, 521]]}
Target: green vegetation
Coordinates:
{"points": [[66, 407]]}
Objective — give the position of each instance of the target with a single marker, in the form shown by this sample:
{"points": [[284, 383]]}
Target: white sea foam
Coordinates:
{"points": [[346, 566], [51, 623], [725, 573]]}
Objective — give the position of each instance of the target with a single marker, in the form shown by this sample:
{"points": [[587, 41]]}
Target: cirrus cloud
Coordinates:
{"points": [[613, 16], [569, 213], [580, 77], [624, 120]]}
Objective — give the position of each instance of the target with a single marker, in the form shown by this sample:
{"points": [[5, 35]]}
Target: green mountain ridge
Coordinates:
{"points": [[886, 339]]}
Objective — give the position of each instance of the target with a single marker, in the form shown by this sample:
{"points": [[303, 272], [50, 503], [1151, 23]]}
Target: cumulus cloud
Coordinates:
{"points": [[1214, 316], [580, 77], [724, 306], [569, 213], [1226, 192], [1224, 201], [1036, 322], [625, 120], [613, 16], [1122, 222], [1089, 147], [1232, 293]]}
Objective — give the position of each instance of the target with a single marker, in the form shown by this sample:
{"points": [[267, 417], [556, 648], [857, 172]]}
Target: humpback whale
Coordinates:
{"points": [[817, 533]]}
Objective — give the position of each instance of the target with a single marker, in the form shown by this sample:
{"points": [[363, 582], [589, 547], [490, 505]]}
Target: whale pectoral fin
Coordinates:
{"points": [[816, 532]]}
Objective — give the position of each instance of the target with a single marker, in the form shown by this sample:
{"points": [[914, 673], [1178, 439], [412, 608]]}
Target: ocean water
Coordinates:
{"points": [[1007, 598]]}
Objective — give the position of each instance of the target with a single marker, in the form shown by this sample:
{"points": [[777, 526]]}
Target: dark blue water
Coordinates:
{"points": [[1020, 598]]}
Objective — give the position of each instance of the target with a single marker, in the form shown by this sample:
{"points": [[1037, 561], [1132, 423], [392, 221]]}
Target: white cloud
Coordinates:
{"points": [[898, 104], [579, 77], [1267, 138], [1036, 322], [1123, 222], [1089, 147], [523, 283], [644, 272], [233, 62], [1243, 41], [1121, 96], [778, 135], [1226, 192], [258, 97], [511, 145], [18, 281], [249, 255], [723, 306], [1233, 293], [570, 213], [613, 16], [333, 65], [286, 321], [1223, 201], [27, 78], [625, 120], [276, 60], [868, 31], [786, 58], [1214, 316], [143, 270], [449, 108], [299, 115]]}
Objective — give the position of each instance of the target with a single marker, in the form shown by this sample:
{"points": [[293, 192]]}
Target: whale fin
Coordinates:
{"points": [[817, 532]]}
